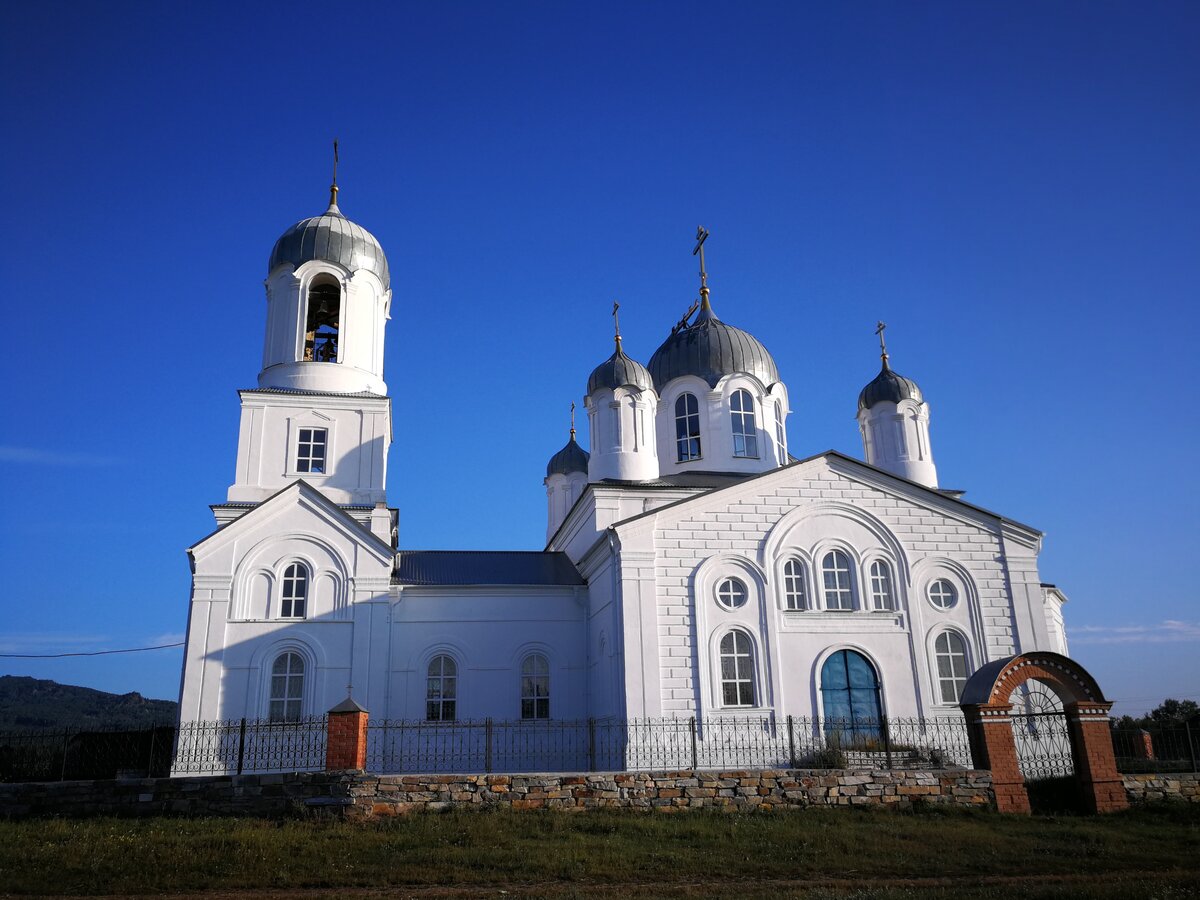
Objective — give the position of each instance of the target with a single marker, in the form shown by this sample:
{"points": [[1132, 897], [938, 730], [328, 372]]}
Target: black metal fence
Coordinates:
{"points": [[250, 745], [63, 754], [1162, 749], [1043, 743], [742, 742], [487, 745]]}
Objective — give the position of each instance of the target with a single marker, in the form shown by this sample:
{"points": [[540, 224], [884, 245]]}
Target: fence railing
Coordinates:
{"points": [[1161, 749], [236, 746], [742, 742], [598, 744]]}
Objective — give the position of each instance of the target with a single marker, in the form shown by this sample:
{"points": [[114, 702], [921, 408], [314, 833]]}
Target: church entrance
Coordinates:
{"points": [[850, 697]]}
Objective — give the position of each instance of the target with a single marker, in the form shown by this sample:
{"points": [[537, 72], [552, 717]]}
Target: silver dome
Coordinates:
{"points": [[710, 349], [571, 458], [890, 387], [332, 237], [619, 371]]}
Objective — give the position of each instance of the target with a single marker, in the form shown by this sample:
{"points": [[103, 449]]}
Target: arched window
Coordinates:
{"points": [[535, 687], [745, 435], [737, 670], [943, 594], [849, 690], [687, 428], [287, 688], [731, 593], [839, 587], [780, 434], [324, 317], [441, 689], [795, 596], [950, 651], [294, 600], [882, 595]]}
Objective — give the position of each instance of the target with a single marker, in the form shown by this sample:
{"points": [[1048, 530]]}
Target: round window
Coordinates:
{"points": [[731, 593], [943, 594]]}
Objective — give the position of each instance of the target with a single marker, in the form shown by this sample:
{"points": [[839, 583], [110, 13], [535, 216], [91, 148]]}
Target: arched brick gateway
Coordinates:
{"points": [[986, 704]]}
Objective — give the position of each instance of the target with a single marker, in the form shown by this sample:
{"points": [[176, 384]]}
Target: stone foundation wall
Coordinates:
{"points": [[394, 794], [1181, 786], [360, 795]]}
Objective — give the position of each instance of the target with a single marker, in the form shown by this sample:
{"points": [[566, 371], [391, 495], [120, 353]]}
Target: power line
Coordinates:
{"points": [[86, 653]]}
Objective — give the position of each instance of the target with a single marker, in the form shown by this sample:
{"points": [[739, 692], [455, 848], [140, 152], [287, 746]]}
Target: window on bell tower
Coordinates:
{"points": [[324, 316], [310, 450]]}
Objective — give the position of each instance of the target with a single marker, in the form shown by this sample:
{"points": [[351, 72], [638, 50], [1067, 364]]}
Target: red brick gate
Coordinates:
{"points": [[986, 704]]}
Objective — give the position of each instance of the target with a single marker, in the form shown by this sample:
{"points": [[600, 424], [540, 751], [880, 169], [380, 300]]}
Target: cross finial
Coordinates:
{"points": [[617, 323], [572, 420], [883, 354], [701, 237], [333, 188]]}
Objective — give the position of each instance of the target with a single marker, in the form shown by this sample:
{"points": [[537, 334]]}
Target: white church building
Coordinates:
{"points": [[693, 566]]}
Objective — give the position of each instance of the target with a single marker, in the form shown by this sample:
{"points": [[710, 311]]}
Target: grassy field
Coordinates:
{"points": [[1146, 853]]}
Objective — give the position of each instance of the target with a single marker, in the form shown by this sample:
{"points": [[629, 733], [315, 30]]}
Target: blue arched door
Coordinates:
{"points": [[850, 694]]}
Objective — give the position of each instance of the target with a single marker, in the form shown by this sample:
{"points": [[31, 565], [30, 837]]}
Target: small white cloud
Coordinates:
{"points": [[169, 637], [34, 456], [1168, 631]]}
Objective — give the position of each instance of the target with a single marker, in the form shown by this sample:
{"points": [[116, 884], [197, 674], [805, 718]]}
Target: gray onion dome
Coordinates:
{"points": [[619, 371], [889, 387], [710, 349], [334, 238], [571, 458]]}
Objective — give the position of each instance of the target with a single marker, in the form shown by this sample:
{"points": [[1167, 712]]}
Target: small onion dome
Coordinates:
{"points": [[332, 237], [890, 387], [710, 349], [619, 371], [571, 458]]}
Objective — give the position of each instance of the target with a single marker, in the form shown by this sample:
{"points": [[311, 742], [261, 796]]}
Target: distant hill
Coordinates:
{"points": [[37, 703]]}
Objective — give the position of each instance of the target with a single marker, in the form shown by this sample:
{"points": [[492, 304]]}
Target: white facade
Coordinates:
{"points": [[688, 546]]}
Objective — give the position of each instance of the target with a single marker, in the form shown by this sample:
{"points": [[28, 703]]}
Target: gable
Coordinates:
{"points": [[298, 512]]}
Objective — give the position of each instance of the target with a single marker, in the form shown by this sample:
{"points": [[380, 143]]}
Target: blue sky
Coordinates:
{"points": [[1012, 186]]}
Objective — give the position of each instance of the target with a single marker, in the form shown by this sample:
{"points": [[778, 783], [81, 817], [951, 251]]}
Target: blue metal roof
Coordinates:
{"points": [[465, 567]]}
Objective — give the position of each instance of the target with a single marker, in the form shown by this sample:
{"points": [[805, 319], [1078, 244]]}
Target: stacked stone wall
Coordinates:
{"points": [[1178, 786], [359, 795]]}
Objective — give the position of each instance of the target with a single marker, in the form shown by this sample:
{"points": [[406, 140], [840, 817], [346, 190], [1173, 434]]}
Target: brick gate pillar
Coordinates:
{"points": [[346, 737], [1095, 762], [992, 747]]}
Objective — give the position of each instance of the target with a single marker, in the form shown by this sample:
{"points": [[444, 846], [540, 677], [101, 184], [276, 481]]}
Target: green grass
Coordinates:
{"points": [[1151, 852]]}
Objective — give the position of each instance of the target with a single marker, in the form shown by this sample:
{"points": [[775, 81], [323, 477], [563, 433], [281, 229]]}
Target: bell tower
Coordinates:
{"points": [[321, 411]]}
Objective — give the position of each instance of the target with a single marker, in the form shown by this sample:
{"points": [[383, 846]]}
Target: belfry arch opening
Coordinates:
{"points": [[323, 320]]}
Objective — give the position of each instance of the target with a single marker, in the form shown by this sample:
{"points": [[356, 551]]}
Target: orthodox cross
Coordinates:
{"points": [[879, 329], [572, 420], [701, 237], [617, 322], [333, 188]]}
